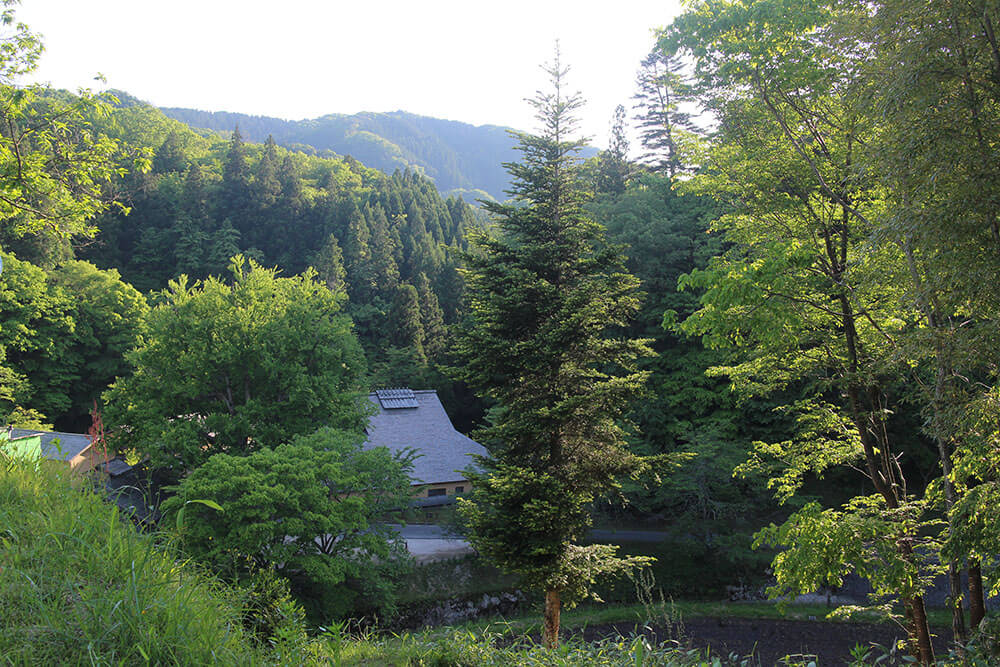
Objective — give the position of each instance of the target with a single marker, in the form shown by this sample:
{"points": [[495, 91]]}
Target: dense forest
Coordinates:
{"points": [[460, 159], [387, 241], [769, 332]]}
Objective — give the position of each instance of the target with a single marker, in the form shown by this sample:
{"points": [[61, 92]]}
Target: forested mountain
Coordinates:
{"points": [[388, 242], [460, 158]]}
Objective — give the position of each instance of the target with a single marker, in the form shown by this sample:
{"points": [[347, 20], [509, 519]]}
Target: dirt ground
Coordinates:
{"points": [[770, 640]]}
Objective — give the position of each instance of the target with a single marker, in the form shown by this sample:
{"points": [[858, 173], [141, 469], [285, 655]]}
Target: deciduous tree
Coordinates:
{"points": [[313, 508], [802, 292], [235, 367]]}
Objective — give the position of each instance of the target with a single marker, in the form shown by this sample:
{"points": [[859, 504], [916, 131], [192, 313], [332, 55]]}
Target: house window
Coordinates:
{"points": [[436, 492], [459, 489]]}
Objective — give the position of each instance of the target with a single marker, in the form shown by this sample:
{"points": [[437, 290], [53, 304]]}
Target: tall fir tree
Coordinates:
{"points": [[407, 328], [432, 319], [266, 183], [357, 254], [329, 265], [614, 169], [170, 155], [382, 247], [546, 289], [234, 200], [661, 122]]}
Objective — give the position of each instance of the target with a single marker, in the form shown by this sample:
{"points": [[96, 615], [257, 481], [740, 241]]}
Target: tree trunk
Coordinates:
{"points": [[550, 625], [920, 632], [955, 600], [977, 601]]}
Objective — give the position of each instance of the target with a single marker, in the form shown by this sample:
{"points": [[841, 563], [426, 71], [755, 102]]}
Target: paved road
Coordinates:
{"points": [[429, 542]]}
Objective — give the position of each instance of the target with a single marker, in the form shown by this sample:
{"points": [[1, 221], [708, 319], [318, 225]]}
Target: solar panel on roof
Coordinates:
{"points": [[395, 399]]}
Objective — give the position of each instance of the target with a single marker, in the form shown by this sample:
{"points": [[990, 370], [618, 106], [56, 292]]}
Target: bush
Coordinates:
{"points": [[311, 509], [268, 611]]}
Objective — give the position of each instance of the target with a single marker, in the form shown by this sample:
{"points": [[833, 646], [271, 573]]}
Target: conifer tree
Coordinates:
{"points": [[194, 200], [235, 172], [613, 169], [329, 265], [431, 317], [291, 183], [661, 89], [170, 155], [382, 247], [235, 180], [545, 289], [407, 329], [267, 186], [357, 255]]}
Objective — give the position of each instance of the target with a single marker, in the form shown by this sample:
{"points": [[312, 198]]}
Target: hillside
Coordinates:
{"points": [[462, 159]]}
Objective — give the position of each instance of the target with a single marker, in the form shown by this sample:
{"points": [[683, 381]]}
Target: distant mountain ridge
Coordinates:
{"points": [[461, 158]]}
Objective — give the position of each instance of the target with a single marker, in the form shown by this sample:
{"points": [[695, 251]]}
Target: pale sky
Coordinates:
{"points": [[469, 60]]}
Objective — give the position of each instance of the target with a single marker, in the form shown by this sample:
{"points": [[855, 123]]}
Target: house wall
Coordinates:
{"points": [[424, 490], [87, 460]]}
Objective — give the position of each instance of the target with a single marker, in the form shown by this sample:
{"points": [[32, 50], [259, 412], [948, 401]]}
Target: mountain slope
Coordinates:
{"points": [[461, 158]]}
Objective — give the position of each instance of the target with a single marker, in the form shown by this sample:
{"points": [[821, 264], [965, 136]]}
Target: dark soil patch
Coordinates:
{"points": [[768, 640]]}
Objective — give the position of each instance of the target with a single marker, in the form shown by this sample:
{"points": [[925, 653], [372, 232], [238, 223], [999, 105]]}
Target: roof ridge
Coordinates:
{"points": [[45, 430]]}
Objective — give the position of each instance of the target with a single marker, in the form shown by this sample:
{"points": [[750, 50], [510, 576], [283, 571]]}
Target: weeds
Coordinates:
{"points": [[79, 586]]}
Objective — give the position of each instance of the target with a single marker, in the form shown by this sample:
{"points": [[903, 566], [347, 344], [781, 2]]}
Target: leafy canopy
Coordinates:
{"points": [[235, 367], [310, 509]]}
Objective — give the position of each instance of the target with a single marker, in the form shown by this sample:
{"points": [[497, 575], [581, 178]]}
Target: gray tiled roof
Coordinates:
{"points": [[68, 446], [117, 466], [427, 429]]}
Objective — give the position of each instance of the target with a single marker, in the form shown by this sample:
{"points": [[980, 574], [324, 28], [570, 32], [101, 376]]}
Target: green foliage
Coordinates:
{"points": [[457, 156], [366, 233], [931, 78], [614, 170], [55, 162], [108, 316], [494, 646], [64, 333], [233, 368], [664, 127], [546, 290], [268, 611], [820, 546], [525, 521], [309, 509], [813, 306], [78, 586], [666, 234]]}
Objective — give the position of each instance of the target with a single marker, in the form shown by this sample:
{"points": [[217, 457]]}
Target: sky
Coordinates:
{"points": [[468, 60]]}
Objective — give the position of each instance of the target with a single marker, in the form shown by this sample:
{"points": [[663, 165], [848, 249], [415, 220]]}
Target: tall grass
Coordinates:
{"points": [[80, 586]]}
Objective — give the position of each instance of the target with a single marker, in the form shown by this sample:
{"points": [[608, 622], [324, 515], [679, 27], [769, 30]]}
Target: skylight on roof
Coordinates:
{"points": [[396, 399]]}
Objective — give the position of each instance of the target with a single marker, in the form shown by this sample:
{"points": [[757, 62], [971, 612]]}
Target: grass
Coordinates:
{"points": [[603, 614], [79, 586], [508, 642]]}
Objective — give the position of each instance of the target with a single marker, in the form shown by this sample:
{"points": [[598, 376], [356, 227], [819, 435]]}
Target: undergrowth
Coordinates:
{"points": [[80, 586]]}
